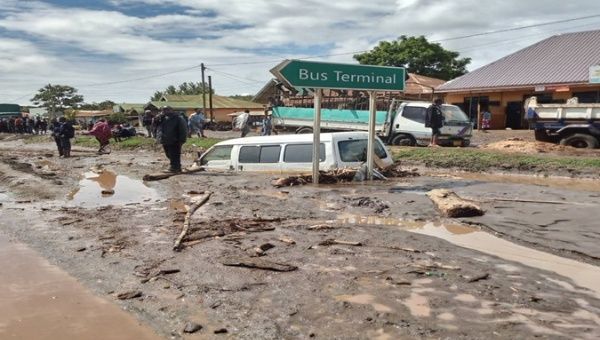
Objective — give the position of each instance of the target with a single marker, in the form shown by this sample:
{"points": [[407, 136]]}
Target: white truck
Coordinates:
{"points": [[402, 124], [573, 124]]}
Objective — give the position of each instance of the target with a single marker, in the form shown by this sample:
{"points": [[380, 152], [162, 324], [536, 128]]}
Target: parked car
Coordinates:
{"points": [[291, 153]]}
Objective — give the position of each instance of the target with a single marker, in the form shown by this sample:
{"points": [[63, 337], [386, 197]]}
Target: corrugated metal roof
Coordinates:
{"points": [[219, 102], [560, 59]]}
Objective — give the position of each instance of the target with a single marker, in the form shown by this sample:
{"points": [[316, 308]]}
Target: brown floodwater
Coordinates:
{"points": [[124, 190], [577, 184], [583, 274], [40, 301]]}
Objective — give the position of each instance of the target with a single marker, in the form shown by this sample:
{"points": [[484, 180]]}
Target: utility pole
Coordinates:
{"points": [[210, 93], [202, 68]]}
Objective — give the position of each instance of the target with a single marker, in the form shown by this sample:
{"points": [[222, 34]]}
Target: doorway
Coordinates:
{"points": [[514, 115]]}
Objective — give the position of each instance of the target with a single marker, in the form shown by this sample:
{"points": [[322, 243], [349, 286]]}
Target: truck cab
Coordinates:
{"points": [[408, 125]]}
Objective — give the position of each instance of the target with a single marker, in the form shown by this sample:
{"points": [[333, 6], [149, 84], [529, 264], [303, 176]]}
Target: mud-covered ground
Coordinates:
{"points": [[354, 261]]}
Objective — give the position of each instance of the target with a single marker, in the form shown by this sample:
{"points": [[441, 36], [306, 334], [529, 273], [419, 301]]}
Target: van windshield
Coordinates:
{"points": [[454, 114], [218, 153]]}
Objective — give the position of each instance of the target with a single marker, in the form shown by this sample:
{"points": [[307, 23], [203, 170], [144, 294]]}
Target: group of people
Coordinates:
{"points": [[24, 125], [243, 122]]}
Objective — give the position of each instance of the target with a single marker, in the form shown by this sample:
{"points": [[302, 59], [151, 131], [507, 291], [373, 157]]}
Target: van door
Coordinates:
{"points": [[353, 152], [261, 158], [411, 121], [297, 157]]}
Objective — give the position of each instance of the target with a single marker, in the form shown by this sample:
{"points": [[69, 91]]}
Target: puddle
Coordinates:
{"points": [[126, 190], [365, 299], [554, 182], [40, 301], [418, 305], [583, 274]]}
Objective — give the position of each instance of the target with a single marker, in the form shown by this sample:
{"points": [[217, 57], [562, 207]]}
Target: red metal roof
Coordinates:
{"points": [[560, 59]]}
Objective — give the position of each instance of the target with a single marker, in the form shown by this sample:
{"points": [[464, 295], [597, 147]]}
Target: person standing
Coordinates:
{"points": [[434, 118], [196, 123], [486, 119], [172, 134], [66, 132], [101, 130], [147, 122], [242, 122], [267, 124]]}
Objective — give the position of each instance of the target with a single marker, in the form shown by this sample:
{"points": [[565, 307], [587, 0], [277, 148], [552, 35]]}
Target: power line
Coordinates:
{"points": [[516, 28]]}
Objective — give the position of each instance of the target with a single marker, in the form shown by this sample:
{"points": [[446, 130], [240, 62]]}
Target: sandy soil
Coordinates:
{"points": [[527, 268]]}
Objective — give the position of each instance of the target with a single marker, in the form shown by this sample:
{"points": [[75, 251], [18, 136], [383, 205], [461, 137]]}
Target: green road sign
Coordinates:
{"points": [[310, 74]]}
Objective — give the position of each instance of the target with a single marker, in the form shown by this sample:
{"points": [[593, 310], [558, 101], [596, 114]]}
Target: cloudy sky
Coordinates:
{"points": [[124, 50]]}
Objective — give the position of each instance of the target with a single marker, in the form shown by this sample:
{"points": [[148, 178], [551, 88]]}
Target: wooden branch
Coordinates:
{"points": [[188, 216], [159, 176]]}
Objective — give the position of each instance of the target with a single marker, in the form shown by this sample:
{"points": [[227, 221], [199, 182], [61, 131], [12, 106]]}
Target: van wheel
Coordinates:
{"points": [[304, 129], [580, 140], [403, 140]]}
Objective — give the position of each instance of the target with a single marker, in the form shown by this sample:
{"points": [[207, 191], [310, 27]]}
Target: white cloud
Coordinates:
{"points": [[78, 46]]}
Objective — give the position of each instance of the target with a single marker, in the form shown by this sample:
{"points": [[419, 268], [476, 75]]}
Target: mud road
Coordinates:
{"points": [[358, 261]]}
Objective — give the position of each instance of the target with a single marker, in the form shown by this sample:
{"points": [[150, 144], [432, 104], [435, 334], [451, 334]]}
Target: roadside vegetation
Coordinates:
{"points": [[479, 160]]}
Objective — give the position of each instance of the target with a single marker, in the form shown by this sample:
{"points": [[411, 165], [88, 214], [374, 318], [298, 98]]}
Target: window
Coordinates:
{"points": [[249, 154], [454, 114], [414, 113], [302, 153], [356, 150], [259, 154], [270, 153], [587, 97], [218, 153]]}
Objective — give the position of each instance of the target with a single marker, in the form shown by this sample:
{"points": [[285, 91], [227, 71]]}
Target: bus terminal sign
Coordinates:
{"points": [[310, 74]]}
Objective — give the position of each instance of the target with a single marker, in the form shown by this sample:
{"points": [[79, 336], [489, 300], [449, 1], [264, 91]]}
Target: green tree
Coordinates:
{"points": [[417, 55], [57, 98], [186, 88], [104, 105]]}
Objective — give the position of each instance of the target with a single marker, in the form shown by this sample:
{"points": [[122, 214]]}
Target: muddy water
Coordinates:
{"points": [[577, 184], [124, 190], [39, 301], [583, 274]]}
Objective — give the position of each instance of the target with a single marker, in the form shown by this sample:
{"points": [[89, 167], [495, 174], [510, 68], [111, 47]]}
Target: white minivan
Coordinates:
{"points": [[291, 153]]}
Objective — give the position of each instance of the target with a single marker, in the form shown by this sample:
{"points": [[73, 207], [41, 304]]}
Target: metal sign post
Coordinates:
{"points": [[318, 95], [320, 75], [371, 140]]}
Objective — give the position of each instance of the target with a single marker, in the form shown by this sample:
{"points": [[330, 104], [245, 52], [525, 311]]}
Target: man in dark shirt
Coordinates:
{"points": [[172, 134], [435, 120]]}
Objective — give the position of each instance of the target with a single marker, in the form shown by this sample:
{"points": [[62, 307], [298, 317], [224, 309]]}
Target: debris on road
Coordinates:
{"points": [[161, 176], [287, 240], [129, 295], [186, 223], [330, 242], [479, 278], [257, 263], [451, 205], [192, 327], [378, 205], [321, 227], [220, 331]]}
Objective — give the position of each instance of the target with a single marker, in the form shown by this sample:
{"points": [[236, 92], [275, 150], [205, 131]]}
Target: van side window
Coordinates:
{"points": [[356, 150], [414, 113], [270, 153], [259, 154], [218, 153], [302, 153], [249, 154]]}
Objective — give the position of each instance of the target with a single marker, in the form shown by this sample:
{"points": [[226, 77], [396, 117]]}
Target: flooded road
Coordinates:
{"points": [[40, 301], [583, 274]]}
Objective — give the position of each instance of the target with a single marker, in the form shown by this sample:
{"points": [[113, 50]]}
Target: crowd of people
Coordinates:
{"points": [[24, 125]]}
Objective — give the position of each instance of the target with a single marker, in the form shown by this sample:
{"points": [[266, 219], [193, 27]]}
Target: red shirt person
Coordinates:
{"points": [[101, 130]]}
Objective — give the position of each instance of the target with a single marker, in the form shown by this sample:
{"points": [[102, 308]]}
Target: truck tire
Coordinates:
{"points": [[304, 129], [580, 140], [403, 140]]}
